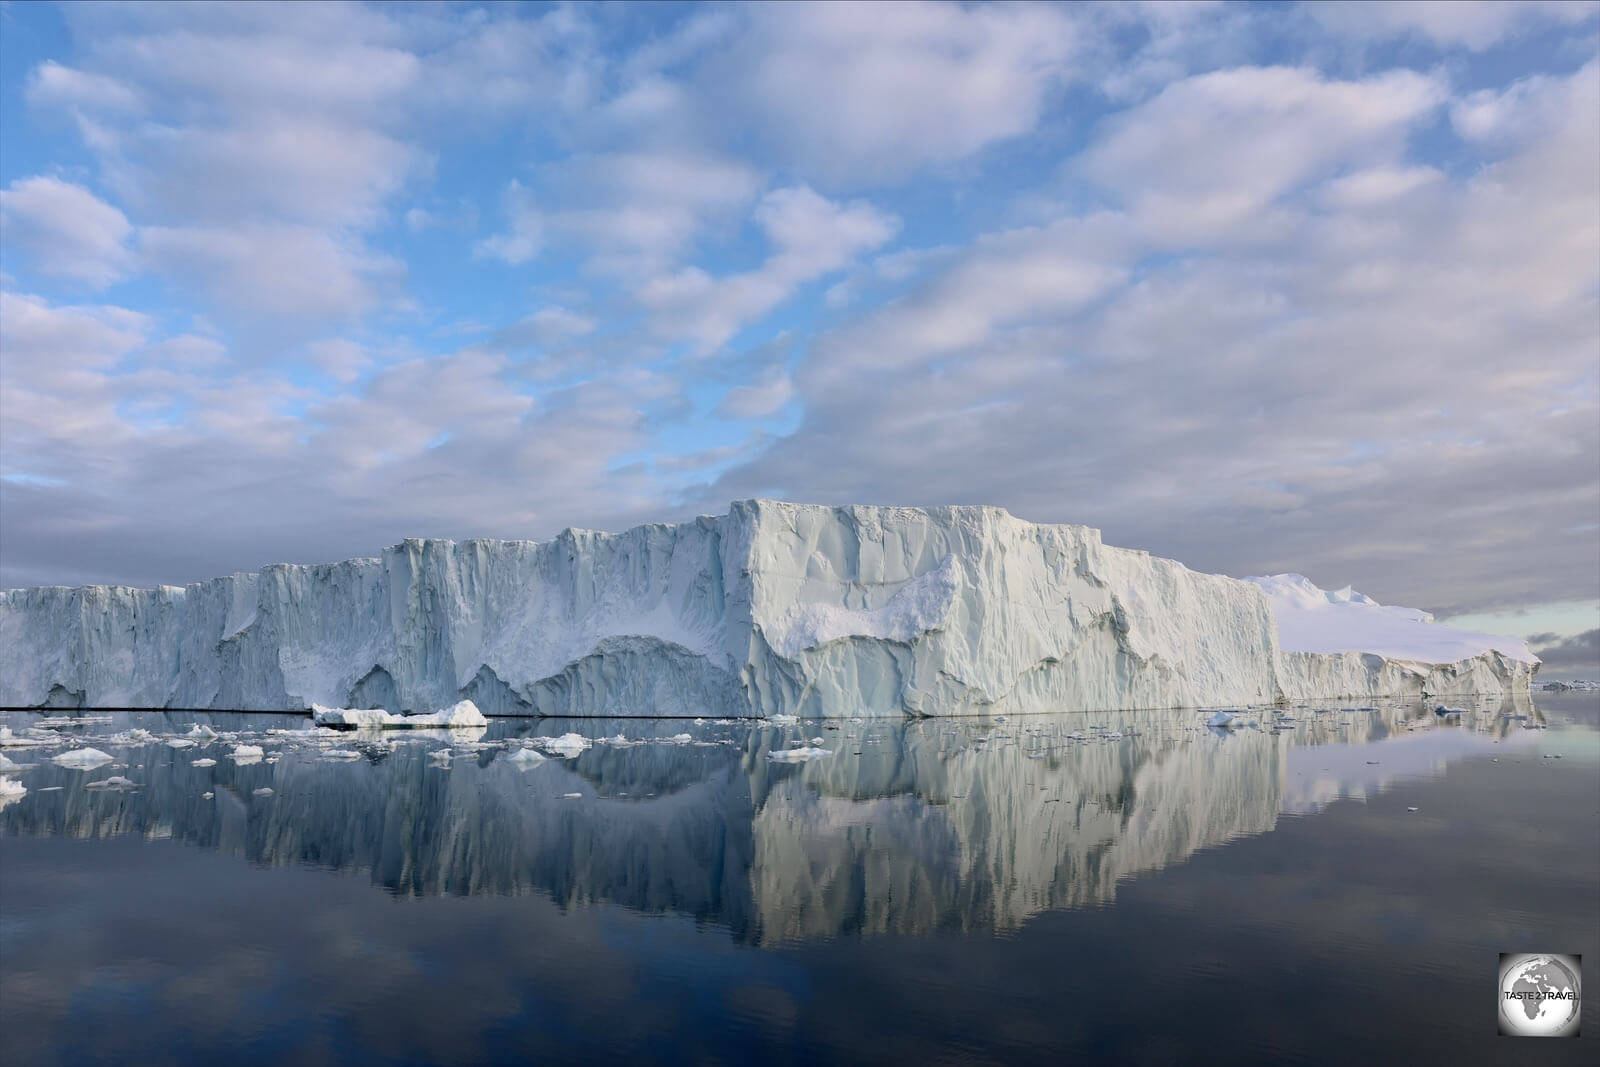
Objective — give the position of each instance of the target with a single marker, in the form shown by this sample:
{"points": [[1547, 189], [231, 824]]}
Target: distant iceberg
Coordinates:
{"points": [[772, 610]]}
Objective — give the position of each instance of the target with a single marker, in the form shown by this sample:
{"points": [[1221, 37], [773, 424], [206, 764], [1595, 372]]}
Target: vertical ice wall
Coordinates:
{"points": [[773, 607]]}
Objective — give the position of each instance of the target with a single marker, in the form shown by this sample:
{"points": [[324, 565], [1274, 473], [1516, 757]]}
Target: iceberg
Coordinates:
{"points": [[772, 610], [83, 759], [463, 713]]}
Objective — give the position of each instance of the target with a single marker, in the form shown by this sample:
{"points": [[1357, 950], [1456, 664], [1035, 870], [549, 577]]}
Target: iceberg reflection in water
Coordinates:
{"points": [[904, 827]]}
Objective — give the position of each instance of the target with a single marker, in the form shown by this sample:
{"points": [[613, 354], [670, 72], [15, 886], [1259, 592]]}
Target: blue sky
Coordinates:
{"points": [[1258, 287]]}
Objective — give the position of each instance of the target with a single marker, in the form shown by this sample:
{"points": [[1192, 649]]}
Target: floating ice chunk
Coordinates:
{"points": [[571, 796], [788, 720], [569, 745], [1114, 735], [6, 764], [204, 763], [11, 790], [527, 757], [816, 740], [201, 732], [264, 791], [207, 795], [462, 713], [10, 740], [680, 739], [83, 759], [341, 753], [246, 754], [1226, 720], [349, 716], [135, 736], [115, 783], [798, 755], [180, 742]]}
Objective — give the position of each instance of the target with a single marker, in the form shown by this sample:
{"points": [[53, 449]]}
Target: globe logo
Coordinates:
{"points": [[1540, 995]]}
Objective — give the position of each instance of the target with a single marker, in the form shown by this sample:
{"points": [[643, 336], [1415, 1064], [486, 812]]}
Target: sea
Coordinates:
{"points": [[1324, 883]]}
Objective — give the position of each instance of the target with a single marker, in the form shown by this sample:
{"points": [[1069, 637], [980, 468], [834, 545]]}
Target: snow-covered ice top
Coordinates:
{"points": [[1311, 619]]}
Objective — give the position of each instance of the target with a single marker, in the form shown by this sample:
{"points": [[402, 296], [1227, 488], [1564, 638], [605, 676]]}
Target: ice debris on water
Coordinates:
{"points": [[798, 755], [115, 783], [341, 753], [180, 742], [568, 745], [201, 732], [246, 753], [527, 757], [10, 740], [204, 763], [264, 791], [788, 720], [571, 796], [11, 790], [83, 759]]}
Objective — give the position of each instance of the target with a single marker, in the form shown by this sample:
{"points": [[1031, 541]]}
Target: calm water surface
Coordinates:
{"points": [[939, 891]]}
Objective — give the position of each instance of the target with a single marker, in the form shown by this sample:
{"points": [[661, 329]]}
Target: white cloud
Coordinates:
{"points": [[1204, 158], [525, 229], [877, 91], [66, 230], [766, 396], [638, 213], [811, 237], [297, 274], [1473, 24]]}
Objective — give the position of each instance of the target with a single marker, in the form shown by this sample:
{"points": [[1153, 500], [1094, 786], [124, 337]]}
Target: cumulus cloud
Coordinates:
{"points": [[811, 237], [875, 91], [66, 230]]}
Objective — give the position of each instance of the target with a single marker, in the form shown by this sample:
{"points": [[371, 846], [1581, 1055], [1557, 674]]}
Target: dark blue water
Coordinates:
{"points": [[917, 895]]}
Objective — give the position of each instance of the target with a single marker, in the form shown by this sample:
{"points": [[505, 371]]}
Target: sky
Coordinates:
{"points": [[1261, 288]]}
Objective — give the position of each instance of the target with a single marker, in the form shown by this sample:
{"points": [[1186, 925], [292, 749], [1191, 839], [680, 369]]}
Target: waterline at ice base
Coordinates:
{"points": [[774, 608]]}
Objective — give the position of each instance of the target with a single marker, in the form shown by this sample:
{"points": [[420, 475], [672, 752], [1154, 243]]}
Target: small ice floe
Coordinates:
{"points": [[619, 741], [1411, 809], [207, 795], [571, 796], [116, 783], [787, 720], [1114, 735], [680, 739], [83, 759], [200, 732], [441, 757], [798, 755], [264, 791], [180, 742], [11, 740], [61, 722], [566, 746], [1226, 720], [6, 764], [204, 763], [135, 736], [525, 758], [1077, 735], [341, 753], [11, 791], [817, 740], [1036, 755], [245, 755]]}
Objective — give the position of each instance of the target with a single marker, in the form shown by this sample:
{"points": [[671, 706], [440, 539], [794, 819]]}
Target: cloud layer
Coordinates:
{"points": [[1311, 288]]}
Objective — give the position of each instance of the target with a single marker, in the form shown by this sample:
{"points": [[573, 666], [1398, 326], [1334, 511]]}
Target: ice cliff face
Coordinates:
{"points": [[772, 608]]}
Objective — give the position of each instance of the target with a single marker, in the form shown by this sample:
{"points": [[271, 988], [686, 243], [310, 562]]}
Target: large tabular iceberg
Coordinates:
{"points": [[772, 608]]}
